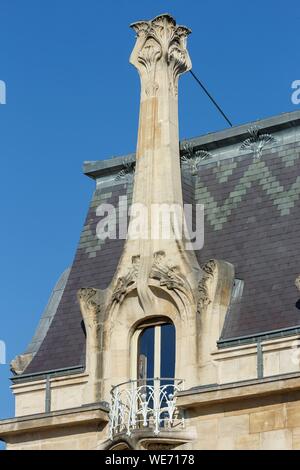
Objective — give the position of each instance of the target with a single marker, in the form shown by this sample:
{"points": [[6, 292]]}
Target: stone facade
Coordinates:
{"points": [[234, 304]]}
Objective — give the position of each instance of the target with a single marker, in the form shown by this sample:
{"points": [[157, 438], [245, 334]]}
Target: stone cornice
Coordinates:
{"points": [[215, 394], [96, 412]]}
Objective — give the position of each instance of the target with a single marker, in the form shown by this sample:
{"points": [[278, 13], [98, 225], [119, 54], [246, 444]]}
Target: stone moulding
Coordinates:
{"points": [[96, 413]]}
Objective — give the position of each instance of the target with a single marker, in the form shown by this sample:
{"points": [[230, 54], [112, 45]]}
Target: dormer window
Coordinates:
{"points": [[156, 352]]}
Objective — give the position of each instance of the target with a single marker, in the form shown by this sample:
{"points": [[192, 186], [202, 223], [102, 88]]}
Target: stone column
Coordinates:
{"points": [[160, 56], [157, 276]]}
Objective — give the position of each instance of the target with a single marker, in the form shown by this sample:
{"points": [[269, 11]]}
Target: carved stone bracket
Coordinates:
{"points": [[203, 291], [91, 306], [124, 282], [89, 297]]}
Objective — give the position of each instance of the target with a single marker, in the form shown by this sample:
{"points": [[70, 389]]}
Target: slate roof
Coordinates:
{"points": [[252, 219], [48, 314]]}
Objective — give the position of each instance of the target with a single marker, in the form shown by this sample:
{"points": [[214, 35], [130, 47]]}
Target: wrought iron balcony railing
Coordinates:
{"points": [[142, 404]]}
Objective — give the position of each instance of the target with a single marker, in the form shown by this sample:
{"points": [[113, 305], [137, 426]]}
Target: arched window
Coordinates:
{"points": [[156, 352], [148, 400]]}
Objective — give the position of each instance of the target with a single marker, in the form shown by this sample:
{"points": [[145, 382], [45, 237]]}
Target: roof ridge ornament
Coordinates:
{"points": [[257, 141], [192, 157], [126, 172]]}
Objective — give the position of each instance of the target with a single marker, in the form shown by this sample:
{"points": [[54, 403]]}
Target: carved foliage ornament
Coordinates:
{"points": [[91, 306], [88, 296], [160, 40], [167, 274], [203, 291], [257, 141], [124, 282]]}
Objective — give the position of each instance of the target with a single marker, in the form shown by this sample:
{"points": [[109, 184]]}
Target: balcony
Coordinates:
{"points": [[145, 404]]}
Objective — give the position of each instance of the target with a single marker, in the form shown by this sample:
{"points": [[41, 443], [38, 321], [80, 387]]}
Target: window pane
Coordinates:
{"points": [[167, 365], [146, 354]]}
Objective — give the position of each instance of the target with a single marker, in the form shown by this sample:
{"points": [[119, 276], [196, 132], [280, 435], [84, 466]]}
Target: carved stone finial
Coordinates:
{"points": [[160, 44], [124, 282], [297, 282]]}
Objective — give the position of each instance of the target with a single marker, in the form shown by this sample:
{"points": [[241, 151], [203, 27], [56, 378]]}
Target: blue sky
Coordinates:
{"points": [[73, 96]]}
